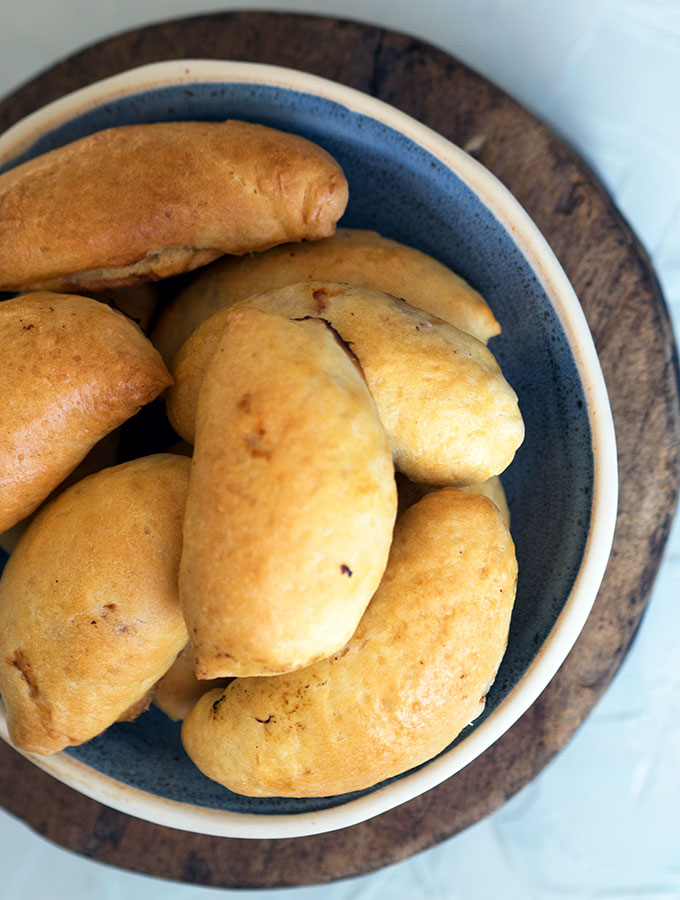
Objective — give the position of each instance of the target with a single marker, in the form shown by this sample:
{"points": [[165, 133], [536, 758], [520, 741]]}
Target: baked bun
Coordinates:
{"points": [[143, 202], [450, 415], [89, 610], [291, 503], [414, 674], [362, 258], [73, 370]]}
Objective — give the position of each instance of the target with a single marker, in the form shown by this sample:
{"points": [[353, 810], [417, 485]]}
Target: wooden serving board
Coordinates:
{"points": [[622, 301]]}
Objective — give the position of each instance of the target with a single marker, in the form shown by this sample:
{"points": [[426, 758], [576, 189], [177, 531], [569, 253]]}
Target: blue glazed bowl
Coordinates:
{"points": [[407, 183]]}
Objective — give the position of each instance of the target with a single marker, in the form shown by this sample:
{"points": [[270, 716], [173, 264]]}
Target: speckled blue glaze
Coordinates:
{"points": [[400, 190]]}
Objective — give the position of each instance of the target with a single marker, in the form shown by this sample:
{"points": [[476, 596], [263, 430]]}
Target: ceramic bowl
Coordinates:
{"points": [[410, 184]]}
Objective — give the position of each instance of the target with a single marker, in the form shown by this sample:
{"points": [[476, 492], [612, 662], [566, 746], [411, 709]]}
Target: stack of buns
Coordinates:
{"points": [[260, 591]]}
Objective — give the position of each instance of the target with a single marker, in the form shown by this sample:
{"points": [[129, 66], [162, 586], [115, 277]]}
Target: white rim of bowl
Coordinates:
{"points": [[571, 619]]}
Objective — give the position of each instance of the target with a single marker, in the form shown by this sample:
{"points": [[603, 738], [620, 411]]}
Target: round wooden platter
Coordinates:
{"points": [[622, 301]]}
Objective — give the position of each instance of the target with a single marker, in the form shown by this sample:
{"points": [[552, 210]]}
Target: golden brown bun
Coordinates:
{"points": [[101, 456], [291, 503], [89, 611], [450, 415], [179, 689], [408, 493], [413, 675], [73, 370], [143, 202], [363, 258]]}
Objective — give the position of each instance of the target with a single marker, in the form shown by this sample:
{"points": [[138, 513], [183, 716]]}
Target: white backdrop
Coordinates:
{"points": [[603, 820]]}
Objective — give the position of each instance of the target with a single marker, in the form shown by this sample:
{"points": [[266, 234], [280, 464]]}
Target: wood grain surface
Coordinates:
{"points": [[621, 298]]}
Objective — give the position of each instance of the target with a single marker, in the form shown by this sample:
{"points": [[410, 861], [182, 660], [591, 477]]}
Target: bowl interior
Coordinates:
{"points": [[402, 191]]}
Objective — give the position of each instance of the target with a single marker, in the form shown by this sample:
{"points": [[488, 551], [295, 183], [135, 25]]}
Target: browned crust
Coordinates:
{"points": [[89, 609], [74, 370], [150, 201], [415, 672], [291, 503]]}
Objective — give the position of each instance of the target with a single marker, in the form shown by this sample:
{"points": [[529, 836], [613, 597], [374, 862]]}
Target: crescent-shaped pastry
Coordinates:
{"points": [[142, 202], [450, 415], [73, 370], [90, 617], [291, 503], [413, 675]]}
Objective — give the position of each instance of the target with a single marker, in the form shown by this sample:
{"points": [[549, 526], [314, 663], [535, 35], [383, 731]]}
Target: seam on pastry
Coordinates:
{"points": [[346, 345], [140, 266]]}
